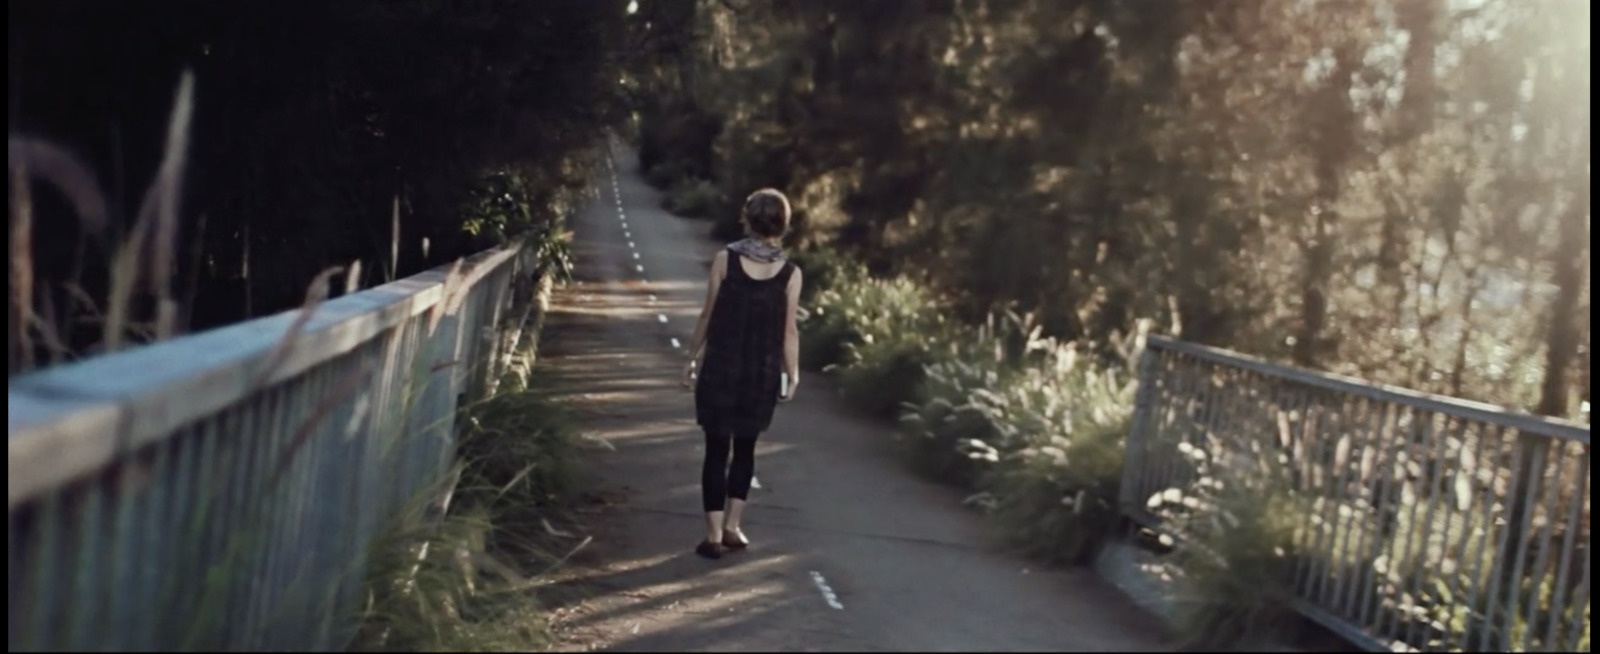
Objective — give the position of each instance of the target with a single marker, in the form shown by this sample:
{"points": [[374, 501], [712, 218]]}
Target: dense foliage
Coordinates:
{"points": [[323, 133], [1396, 190]]}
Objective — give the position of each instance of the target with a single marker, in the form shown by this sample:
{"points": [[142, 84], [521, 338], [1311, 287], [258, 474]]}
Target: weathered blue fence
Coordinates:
{"points": [[220, 491]]}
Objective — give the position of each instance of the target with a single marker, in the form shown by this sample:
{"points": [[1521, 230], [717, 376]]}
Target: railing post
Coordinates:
{"points": [[1137, 441], [1532, 456]]}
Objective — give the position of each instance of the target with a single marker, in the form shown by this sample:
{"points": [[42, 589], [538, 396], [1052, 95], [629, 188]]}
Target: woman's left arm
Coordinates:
{"points": [[697, 344], [791, 332]]}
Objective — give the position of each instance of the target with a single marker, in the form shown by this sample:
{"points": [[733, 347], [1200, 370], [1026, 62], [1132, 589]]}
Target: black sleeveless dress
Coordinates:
{"points": [[738, 386]]}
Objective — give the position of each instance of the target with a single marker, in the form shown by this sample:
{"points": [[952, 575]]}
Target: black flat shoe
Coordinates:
{"points": [[734, 542], [708, 549]]}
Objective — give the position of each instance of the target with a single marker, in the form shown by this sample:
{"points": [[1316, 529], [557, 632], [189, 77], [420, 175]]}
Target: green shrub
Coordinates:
{"points": [[1027, 422], [1037, 429], [950, 428], [887, 372], [694, 198], [1236, 567], [826, 268], [667, 174], [1058, 492], [860, 321]]}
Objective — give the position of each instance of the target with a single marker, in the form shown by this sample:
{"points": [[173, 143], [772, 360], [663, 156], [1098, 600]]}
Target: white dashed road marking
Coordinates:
{"points": [[827, 593], [622, 216]]}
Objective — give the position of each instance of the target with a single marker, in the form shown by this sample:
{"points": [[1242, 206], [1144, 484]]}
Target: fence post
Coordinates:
{"points": [[1138, 428], [1532, 456]]}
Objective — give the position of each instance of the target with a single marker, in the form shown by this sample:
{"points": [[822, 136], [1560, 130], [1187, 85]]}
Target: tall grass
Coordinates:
{"points": [[454, 569], [143, 259], [1031, 426], [1035, 429], [468, 579]]}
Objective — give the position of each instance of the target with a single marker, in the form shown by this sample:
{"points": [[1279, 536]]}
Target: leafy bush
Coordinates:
{"points": [[859, 321], [1027, 422], [667, 174], [694, 198], [1033, 426], [1234, 587], [887, 373], [1059, 490], [825, 268]]}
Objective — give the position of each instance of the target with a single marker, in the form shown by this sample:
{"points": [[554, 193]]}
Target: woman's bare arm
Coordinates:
{"points": [[791, 331], [697, 345]]}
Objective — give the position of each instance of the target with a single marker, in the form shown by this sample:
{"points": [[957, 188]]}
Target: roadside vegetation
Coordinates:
{"points": [[995, 201], [461, 568]]}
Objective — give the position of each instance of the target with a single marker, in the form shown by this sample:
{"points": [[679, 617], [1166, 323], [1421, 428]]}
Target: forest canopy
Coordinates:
{"points": [[1394, 189], [318, 131]]}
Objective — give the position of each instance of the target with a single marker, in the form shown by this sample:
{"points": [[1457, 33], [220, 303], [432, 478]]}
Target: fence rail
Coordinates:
{"points": [[1418, 522], [220, 491]]}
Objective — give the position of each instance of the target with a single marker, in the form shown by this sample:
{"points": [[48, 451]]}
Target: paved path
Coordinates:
{"points": [[851, 551]]}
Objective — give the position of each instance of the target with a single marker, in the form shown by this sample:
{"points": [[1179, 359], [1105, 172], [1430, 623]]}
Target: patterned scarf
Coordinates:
{"points": [[758, 250]]}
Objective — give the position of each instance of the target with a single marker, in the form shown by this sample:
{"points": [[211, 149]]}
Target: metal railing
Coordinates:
{"points": [[1417, 522], [221, 490]]}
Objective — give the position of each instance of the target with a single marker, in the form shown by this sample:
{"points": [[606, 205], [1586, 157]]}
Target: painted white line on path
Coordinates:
{"points": [[827, 593], [675, 344], [639, 268], [661, 317]]}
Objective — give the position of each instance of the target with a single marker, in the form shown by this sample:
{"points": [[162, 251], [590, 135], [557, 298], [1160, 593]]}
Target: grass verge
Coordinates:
{"points": [[462, 568], [1031, 426], [1035, 430]]}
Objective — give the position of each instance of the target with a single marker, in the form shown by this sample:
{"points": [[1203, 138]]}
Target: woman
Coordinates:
{"points": [[744, 343]]}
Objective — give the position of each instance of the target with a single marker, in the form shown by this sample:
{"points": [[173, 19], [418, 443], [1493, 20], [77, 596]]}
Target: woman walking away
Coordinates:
{"points": [[744, 346]]}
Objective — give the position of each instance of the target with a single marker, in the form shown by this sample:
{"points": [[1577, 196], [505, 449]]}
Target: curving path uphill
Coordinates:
{"points": [[850, 550]]}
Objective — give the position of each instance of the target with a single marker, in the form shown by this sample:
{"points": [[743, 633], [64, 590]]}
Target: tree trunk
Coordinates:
{"points": [[1561, 337], [1331, 118]]}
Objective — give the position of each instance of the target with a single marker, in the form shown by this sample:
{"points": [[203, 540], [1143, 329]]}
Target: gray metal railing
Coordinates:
{"points": [[1418, 522], [221, 490]]}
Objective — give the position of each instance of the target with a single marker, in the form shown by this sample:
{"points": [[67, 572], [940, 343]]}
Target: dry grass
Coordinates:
{"points": [[467, 578], [144, 258], [455, 571]]}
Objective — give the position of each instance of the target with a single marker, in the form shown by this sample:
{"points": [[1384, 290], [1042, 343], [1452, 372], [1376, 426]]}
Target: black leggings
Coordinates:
{"points": [[720, 480]]}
